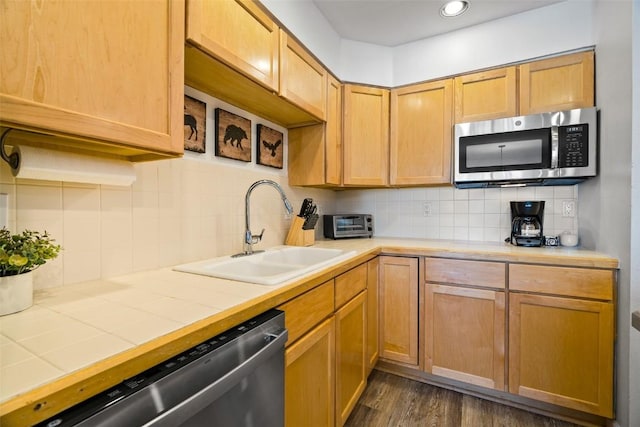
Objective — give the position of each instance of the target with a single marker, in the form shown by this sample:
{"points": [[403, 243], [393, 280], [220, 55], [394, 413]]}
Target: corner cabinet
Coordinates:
{"points": [[107, 76], [365, 136], [315, 152], [560, 83], [327, 350], [398, 299], [420, 146], [464, 321], [561, 336]]}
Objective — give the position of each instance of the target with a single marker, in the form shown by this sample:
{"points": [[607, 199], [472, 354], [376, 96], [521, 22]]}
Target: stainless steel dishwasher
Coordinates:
{"points": [[233, 379]]}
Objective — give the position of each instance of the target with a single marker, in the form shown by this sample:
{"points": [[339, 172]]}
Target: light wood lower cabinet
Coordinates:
{"points": [[398, 299], [561, 348], [326, 361], [465, 334], [350, 355], [309, 378], [373, 352]]}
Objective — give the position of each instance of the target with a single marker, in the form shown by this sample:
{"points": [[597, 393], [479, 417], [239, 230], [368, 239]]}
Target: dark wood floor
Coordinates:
{"points": [[390, 400]]}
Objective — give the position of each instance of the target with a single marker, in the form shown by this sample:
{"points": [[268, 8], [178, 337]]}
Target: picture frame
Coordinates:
{"points": [[270, 147], [195, 124], [233, 136]]}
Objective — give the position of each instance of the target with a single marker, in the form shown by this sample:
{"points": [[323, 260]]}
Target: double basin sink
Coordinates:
{"points": [[271, 267]]}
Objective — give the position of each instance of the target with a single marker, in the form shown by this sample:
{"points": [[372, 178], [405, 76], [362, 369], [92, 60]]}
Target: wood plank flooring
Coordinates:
{"points": [[390, 400]]}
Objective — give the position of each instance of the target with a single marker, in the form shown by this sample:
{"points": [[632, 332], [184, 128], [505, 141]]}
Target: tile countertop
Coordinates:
{"points": [[78, 337]]}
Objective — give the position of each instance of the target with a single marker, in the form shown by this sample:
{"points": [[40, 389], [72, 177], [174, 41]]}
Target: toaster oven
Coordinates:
{"points": [[344, 226]]}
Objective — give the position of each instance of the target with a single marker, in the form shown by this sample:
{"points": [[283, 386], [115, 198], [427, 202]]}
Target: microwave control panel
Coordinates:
{"points": [[573, 146]]}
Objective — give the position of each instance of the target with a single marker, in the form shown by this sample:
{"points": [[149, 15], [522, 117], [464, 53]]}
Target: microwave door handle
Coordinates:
{"points": [[554, 147]]}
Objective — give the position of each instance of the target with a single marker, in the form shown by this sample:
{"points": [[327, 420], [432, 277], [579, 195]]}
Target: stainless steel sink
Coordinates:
{"points": [[271, 267]]}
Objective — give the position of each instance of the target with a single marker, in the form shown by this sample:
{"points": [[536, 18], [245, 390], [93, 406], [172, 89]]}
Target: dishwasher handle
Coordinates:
{"points": [[198, 401]]}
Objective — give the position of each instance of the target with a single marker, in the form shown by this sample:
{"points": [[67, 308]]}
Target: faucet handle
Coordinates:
{"points": [[257, 238]]}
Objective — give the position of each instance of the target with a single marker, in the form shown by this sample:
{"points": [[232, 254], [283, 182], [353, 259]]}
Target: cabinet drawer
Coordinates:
{"points": [[459, 272], [307, 310], [350, 284], [568, 281]]}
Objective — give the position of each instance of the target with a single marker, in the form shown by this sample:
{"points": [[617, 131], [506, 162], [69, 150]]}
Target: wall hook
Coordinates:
{"points": [[14, 158]]}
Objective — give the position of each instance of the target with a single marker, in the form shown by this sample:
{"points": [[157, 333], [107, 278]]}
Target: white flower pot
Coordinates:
{"points": [[16, 293]]}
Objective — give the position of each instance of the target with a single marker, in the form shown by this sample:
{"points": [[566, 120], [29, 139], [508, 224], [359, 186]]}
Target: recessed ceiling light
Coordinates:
{"points": [[454, 8]]}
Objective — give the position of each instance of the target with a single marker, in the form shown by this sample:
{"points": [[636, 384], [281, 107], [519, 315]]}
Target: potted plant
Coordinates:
{"points": [[20, 254]]}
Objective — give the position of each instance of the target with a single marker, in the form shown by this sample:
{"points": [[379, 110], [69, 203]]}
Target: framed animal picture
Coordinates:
{"points": [[195, 113], [233, 136], [270, 147]]}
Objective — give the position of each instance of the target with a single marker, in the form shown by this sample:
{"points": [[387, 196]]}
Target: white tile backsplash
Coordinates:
{"points": [[458, 214]]}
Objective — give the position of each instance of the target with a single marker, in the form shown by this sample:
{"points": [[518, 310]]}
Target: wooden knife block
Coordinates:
{"points": [[299, 237]]}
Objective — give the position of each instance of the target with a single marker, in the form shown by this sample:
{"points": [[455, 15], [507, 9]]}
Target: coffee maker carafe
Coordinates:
{"points": [[526, 223]]}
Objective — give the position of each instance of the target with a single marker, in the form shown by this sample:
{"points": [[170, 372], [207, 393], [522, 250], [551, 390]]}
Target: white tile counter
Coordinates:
{"points": [[77, 332]]}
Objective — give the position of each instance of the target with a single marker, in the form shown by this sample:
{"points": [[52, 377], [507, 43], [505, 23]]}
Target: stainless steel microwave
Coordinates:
{"points": [[557, 148]]}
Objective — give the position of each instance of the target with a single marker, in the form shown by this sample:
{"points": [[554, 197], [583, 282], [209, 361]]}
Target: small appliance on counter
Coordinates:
{"points": [[526, 223], [345, 226]]}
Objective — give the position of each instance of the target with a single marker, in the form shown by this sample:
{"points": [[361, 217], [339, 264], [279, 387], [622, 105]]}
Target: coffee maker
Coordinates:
{"points": [[526, 223]]}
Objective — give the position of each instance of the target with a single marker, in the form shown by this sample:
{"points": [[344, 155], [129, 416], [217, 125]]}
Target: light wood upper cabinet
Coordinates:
{"points": [[398, 299], [486, 95], [420, 146], [560, 83], [72, 69], [310, 378], [366, 136], [315, 152], [239, 33], [561, 347], [303, 80]]}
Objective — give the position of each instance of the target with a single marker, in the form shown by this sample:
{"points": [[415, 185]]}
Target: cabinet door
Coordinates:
{"points": [[420, 147], [398, 287], [561, 351], [350, 355], [315, 152], [307, 310], [486, 95], [333, 128], [560, 83], [303, 80], [238, 33], [465, 334], [309, 378], [366, 136], [71, 68], [373, 267]]}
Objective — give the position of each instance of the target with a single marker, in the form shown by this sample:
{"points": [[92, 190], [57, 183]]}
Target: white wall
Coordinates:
{"points": [[548, 30], [634, 351], [605, 202]]}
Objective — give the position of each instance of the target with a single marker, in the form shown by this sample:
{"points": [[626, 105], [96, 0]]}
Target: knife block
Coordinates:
{"points": [[299, 237]]}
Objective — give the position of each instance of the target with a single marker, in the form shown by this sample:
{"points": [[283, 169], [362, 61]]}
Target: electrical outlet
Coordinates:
{"points": [[568, 208], [426, 209]]}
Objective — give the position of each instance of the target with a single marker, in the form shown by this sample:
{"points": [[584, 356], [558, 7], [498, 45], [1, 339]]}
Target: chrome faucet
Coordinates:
{"points": [[249, 238]]}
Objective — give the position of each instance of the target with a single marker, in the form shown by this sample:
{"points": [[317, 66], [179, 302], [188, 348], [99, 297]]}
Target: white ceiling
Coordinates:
{"points": [[395, 22]]}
